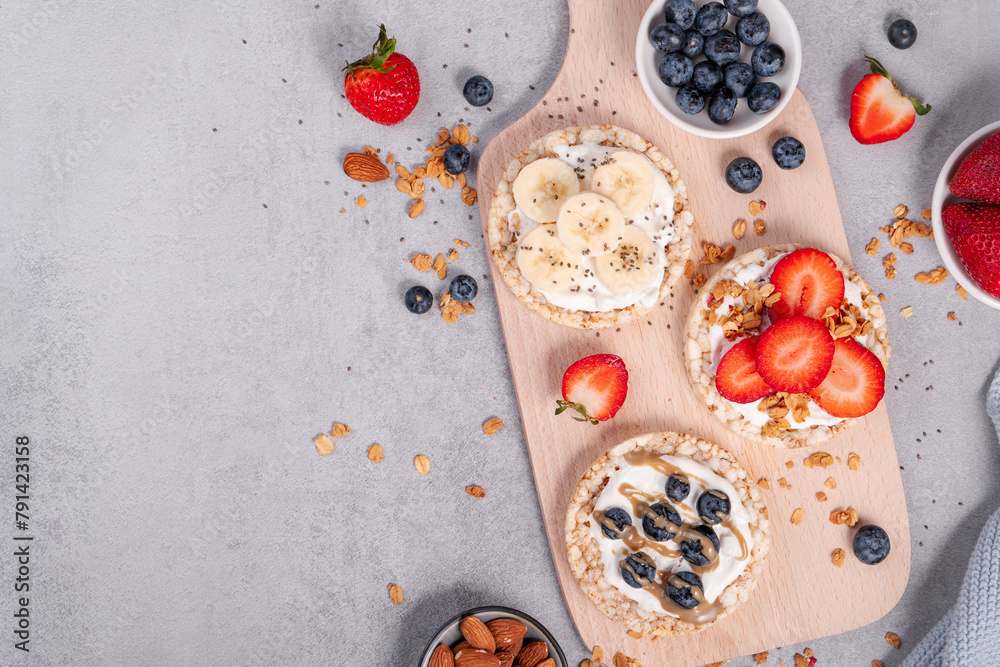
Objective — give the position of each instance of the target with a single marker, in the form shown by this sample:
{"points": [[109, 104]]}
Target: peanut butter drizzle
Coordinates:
{"points": [[744, 549], [635, 541], [656, 462]]}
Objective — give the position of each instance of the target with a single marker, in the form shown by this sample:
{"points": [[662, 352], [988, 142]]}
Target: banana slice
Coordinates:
{"points": [[628, 179], [590, 224], [545, 260], [632, 266], [542, 186]]}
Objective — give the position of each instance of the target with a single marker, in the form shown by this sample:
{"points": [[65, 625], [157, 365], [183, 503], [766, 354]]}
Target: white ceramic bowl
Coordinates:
{"points": [[783, 32], [450, 633], [943, 199]]}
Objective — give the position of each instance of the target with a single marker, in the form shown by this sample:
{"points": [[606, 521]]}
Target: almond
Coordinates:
{"points": [[547, 663], [532, 654], [506, 658], [442, 657], [472, 657], [506, 631], [460, 645], [477, 634], [365, 168]]}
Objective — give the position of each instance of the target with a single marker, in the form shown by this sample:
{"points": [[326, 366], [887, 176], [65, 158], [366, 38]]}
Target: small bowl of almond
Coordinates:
{"points": [[493, 637]]}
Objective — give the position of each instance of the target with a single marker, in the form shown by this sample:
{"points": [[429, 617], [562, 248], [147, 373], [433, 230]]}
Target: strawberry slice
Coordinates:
{"points": [[879, 111], [737, 378], [855, 384], [794, 354], [595, 386], [978, 177], [974, 230], [809, 283]]}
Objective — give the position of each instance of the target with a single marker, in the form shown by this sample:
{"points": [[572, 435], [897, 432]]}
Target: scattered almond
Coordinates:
{"points": [[361, 202], [759, 227], [421, 262], [820, 496], [365, 167], [739, 229], [324, 444], [475, 491], [906, 312], [830, 483], [395, 594], [872, 247], [422, 464], [416, 208], [853, 461], [375, 453], [492, 425], [961, 291], [893, 639], [838, 557], [798, 516]]}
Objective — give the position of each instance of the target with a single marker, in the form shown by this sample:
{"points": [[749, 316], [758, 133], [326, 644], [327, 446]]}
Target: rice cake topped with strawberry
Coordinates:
{"points": [[787, 345], [667, 533], [590, 226]]}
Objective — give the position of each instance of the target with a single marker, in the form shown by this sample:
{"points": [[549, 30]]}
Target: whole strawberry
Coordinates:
{"points": [[879, 111], [974, 230], [979, 176], [383, 86]]}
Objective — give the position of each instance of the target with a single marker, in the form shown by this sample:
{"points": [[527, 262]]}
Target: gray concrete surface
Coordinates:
{"points": [[184, 308]]}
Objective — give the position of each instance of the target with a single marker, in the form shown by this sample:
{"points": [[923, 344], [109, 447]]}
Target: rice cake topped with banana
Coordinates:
{"points": [[787, 346], [667, 533], [590, 226]]}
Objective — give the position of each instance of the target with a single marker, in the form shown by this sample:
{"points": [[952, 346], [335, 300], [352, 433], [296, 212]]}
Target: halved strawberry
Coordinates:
{"points": [[879, 111], [795, 354], [809, 282], [595, 386], [974, 230], [737, 378], [855, 384], [978, 177]]}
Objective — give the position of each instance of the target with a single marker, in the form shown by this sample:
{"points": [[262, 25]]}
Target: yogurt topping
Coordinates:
{"points": [[735, 538], [587, 293]]}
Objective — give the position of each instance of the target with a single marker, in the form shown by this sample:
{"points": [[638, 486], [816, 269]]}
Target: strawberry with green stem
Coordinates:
{"points": [[879, 110], [596, 387], [383, 86]]}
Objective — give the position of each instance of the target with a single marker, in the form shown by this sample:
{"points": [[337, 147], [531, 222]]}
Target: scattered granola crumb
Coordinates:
{"points": [[343, 210], [900, 212], [830, 483], [848, 516], [951, 316], [926, 215], [820, 496], [762, 483], [906, 312], [361, 202], [689, 270], [375, 453], [881, 297], [755, 207], [492, 425], [872, 247], [475, 491], [935, 277], [819, 460], [801, 660], [893, 639], [808, 652], [789, 464], [634, 635], [459, 243], [877, 663], [440, 266], [715, 254], [739, 229], [597, 655], [389, 159], [587, 662], [838, 557], [421, 262], [907, 248], [761, 657], [798, 516], [416, 208], [759, 227], [961, 291], [339, 430], [395, 594], [452, 255], [853, 461], [422, 464], [716, 664], [699, 280], [888, 262], [324, 444], [783, 483], [451, 309]]}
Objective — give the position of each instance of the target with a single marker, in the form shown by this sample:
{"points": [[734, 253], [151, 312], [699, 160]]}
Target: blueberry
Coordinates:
{"points": [[689, 100], [478, 91], [763, 97], [713, 507], [674, 69], [694, 43], [680, 588], [661, 521], [739, 77], [768, 59], [677, 487], [788, 152], [456, 159], [638, 570], [722, 48], [753, 29], [463, 288], [418, 299], [741, 7], [680, 12], [871, 545], [711, 18], [743, 175], [902, 33], [707, 76], [692, 549], [667, 37], [722, 105], [620, 520]]}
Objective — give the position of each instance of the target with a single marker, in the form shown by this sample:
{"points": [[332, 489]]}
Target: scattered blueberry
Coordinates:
{"points": [[788, 152], [691, 550], [418, 299], [713, 507], [707, 76], [722, 105], [763, 97], [674, 69], [753, 29], [743, 175], [689, 100], [621, 520], [902, 33], [711, 18], [722, 48], [739, 77], [463, 288], [661, 521], [667, 37], [871, 545], [677, 487], [741, 7], [694, 43], [642, 566], [681, 12], [679, 588], [478, 91], [768, 59], [456, 159]]}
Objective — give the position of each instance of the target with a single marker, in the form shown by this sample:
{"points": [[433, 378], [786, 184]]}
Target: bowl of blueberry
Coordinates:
{"points": [[718, 69]]}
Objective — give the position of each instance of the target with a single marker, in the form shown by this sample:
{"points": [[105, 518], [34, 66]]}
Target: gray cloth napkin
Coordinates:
{"points": [[969, 634]]}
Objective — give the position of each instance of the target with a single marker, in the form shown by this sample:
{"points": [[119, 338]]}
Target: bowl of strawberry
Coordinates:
{"points": [[966, 214]]}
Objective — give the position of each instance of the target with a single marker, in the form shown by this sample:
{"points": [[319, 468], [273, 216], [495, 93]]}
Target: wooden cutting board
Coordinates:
{"points": [[801, 595]]}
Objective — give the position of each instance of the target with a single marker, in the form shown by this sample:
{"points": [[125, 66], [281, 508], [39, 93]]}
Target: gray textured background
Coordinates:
{"points": [[172, 346]]}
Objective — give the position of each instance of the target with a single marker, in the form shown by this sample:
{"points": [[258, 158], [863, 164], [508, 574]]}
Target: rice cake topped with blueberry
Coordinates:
{"points": [[666, 533], [590, 227]]}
